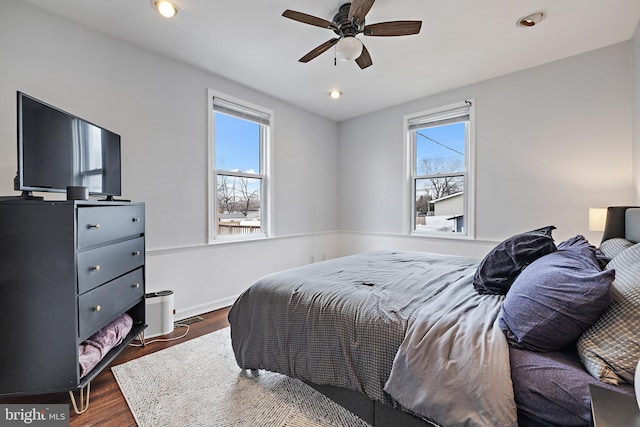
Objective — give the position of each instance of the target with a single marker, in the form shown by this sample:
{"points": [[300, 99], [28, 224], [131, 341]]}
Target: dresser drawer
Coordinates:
{"points": [[98, 266], [103, 304], [97, 225]]}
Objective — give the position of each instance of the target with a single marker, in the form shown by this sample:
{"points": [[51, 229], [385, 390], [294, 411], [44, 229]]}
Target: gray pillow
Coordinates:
{"points": [[555, 299], [613, 247], [610, 349], [501, 266]]}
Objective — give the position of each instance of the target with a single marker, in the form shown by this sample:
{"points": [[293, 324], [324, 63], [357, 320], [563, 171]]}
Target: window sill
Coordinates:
{"points": [[446, 236], [238, 238]]}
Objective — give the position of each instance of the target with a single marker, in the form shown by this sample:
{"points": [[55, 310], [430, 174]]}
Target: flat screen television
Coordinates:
{"points": [[57, 149]]}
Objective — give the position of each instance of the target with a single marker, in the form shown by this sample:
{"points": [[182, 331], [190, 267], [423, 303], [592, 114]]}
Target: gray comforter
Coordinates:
{"points": [[453, 365], [342, 322]]}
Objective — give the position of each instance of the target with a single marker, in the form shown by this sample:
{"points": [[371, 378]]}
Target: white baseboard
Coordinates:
{"points": [[204, 308]]}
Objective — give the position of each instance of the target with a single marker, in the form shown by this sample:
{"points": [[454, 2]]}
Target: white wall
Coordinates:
{"points": [[159, 107], [551, 141], [635, 108]]}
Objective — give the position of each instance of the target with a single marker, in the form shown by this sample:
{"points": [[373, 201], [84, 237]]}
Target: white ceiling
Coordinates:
{"points": [[461, 42]]}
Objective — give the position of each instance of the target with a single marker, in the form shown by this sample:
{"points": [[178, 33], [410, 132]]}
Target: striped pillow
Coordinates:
{"points": [[610, 349], [613, 247]]}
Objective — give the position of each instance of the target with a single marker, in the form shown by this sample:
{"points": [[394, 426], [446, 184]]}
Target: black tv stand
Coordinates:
{"points": [[26, 195], [111, 199]]}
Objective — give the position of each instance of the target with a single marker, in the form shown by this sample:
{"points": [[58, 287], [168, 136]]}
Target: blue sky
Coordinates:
{"points": [[450, 142], [237, 144]]}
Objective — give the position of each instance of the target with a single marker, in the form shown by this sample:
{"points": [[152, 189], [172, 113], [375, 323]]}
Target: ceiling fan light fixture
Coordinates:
{"points": [[165, 8], [348, 48], [531, 19]]}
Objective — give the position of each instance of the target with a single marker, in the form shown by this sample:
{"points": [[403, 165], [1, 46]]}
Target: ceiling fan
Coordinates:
{"points": [[347, 23]]}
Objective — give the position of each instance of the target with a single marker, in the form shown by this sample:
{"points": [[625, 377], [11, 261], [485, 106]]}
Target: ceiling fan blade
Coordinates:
{"points": [[309, 19], [358, 10], [392, 28], [318, 50], [364, 60]]}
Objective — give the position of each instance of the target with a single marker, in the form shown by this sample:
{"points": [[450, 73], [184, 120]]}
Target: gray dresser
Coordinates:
{"points": [[67, 269]]}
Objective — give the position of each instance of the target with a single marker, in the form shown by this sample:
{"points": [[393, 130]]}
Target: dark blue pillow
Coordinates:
{"points": [[579, 242], [501, 266], [555, 299]]}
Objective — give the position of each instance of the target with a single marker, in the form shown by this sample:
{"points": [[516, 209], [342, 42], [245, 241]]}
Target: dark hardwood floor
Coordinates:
{"points": [[107, 406]]}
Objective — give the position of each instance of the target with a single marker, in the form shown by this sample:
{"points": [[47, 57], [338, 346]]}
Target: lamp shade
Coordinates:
{"points": [[597, 219], [348, 48]]}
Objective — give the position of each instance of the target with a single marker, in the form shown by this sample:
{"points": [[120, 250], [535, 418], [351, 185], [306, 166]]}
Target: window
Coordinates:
{"points": [[239, 135], [440, 147], [91, 149]]}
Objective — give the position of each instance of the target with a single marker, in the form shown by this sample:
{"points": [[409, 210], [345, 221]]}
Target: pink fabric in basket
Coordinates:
{"points": [[92, 350]]}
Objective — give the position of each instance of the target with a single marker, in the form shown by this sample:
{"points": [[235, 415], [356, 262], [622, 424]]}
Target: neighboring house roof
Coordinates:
{"points": [[450, 196]]}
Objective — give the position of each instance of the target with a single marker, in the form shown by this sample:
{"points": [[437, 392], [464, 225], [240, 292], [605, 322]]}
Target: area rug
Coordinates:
{"points": [[198, 383]]}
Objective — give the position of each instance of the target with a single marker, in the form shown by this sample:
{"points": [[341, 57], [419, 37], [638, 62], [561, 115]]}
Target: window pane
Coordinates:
{"points": [[238, 205], [237, 144], [440, 149], [440, 204]]}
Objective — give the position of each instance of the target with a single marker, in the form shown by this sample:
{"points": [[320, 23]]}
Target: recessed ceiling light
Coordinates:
{"points": [[531, 19], [335, 94], [165, 8]]}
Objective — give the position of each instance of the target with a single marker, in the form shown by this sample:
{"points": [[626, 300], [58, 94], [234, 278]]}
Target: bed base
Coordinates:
{"points": [[375, 413]]}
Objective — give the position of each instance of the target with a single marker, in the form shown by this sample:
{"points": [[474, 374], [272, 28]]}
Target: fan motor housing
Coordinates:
{"points": [[346, 28]]}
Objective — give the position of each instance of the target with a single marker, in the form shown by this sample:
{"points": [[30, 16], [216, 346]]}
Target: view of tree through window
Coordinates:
{"points": [[439, 147], [238, 203], [238, 141]]}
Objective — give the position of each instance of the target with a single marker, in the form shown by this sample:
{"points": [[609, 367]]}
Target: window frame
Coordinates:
{"points": [[411, 175], [266, 190]]}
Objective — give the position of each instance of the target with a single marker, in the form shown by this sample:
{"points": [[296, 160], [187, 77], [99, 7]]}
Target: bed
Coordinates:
{"points": [[413, 338]]}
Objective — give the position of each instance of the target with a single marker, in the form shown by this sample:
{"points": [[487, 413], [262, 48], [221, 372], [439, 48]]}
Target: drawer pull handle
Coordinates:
{"points": [[135, 253], [96, 226], [96, 268], [98, 308], [135, 219], [136, 286]]}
